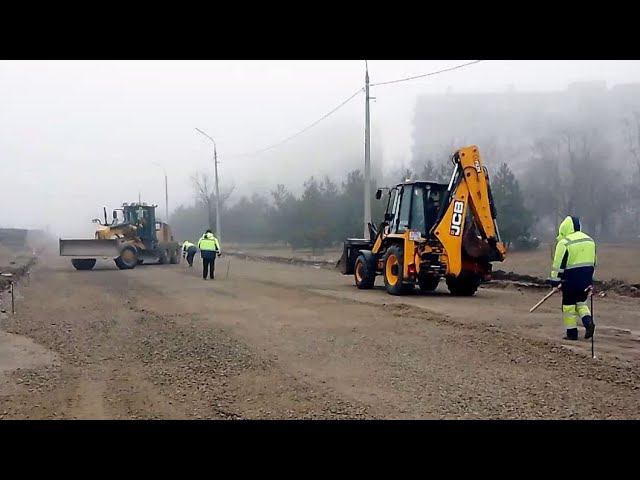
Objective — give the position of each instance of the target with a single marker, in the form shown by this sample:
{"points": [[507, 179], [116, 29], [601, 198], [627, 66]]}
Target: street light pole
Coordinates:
{"points": [[166, 195], [215, 162], [166, 191]]}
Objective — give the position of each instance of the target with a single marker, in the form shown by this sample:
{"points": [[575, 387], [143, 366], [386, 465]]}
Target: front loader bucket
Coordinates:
{"points": [[350, 251], [88, 248]]}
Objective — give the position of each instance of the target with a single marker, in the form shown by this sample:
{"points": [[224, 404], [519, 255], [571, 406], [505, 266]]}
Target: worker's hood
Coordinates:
{"points": [[568, 226]]}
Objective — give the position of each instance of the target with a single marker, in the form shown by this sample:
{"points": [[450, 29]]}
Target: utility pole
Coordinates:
{"points": [[166, 191], [166, 196], [367, 156], [215, 162]]}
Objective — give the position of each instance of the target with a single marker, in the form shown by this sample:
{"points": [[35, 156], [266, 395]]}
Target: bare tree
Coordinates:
{"points": [[544, 185], [632, 137], [632, 143], [593, 188], [204, 190]]}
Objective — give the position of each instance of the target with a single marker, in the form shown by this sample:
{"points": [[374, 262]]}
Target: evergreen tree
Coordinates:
{"points": [[513, 218]]}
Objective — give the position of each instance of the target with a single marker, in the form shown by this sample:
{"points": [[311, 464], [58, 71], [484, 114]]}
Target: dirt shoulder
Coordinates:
{"points": [[501, 278]]}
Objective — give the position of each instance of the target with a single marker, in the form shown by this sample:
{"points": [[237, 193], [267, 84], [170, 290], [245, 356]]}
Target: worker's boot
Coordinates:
{"points": [[590, 327], [572, 334]]}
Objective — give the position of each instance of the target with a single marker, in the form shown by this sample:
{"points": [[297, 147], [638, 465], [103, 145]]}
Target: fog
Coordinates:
{"points": [[79, 135]]}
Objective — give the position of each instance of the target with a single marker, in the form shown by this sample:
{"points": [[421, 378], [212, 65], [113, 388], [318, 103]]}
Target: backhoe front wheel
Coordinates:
{"points": [[393, 271], [127, 259], [463, 285], [364, 272]]}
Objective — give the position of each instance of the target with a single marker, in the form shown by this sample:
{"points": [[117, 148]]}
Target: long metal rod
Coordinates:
{"points": [[545, 298], [593, 354], [367, 156]]}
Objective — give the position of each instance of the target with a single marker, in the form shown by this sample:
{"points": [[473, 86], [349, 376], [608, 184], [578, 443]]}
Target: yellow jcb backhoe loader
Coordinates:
{"points": [[432, 231]]}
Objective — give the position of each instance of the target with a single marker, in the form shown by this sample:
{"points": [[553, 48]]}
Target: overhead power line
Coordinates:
{"points": [[301, 131], [426, 74], [406, 79]]}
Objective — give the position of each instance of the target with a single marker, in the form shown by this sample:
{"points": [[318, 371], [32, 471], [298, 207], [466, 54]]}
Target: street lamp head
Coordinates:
{"points": [[161, 166], [209, 137]]}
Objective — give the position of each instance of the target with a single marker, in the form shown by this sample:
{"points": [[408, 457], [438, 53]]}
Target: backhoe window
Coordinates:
{"points": [[417, 210], [405, 208], [392, 201], [433, 206]]}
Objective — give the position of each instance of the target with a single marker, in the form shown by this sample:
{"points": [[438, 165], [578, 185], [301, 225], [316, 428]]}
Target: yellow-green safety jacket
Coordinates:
{"points": [[208, 243], [575, 257]]}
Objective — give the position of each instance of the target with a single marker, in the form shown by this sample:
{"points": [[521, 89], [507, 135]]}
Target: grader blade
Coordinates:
{"points": [[89, 248]]}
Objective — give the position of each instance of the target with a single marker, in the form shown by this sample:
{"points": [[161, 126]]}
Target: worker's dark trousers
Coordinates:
{"points": [[208, 264], [191, 252], [574, 306]]}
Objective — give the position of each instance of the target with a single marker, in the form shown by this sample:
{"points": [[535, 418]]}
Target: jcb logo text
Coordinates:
{"points": [[456, 219]]}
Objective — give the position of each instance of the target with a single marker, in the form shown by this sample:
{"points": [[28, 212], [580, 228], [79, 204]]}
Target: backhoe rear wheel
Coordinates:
{"points": [[127, 259], [393, 266], [464, 285], [428, 283], [175, 257], [83, 263], [364, 272]]}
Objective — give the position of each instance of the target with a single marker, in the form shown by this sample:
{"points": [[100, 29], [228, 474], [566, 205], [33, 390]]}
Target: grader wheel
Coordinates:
{"points": [[128, 259]]}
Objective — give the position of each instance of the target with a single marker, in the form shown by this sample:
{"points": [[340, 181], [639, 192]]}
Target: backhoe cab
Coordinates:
{"points": [[431, 231]]}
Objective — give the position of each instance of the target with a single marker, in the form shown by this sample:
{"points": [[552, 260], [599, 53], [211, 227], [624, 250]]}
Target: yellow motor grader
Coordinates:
{"points": [[131, 240], [432, 231]]}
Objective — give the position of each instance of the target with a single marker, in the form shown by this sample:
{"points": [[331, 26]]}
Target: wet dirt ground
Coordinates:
{"points": [[269, 340]]}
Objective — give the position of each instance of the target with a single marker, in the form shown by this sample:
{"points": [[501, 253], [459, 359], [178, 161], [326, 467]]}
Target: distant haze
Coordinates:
{"points": [[79, 135]]}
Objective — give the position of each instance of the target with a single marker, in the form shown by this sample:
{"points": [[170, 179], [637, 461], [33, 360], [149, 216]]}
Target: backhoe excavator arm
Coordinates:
{"points": [[468, 188]]}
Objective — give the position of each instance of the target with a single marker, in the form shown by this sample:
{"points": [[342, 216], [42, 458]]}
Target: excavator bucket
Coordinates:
{"points": [[89, 248]]}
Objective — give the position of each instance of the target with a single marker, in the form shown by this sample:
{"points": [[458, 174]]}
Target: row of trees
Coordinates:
{"points": [[575, 170], [323, 215], [326, 212]]}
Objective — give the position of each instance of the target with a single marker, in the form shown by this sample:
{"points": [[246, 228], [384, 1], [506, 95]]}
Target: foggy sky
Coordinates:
{"points": [[77, 135]]}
